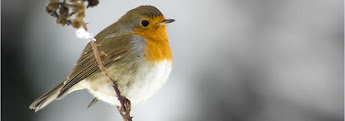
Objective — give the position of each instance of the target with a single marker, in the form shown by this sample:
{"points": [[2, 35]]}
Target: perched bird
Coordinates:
{"points": [[136, 54]]}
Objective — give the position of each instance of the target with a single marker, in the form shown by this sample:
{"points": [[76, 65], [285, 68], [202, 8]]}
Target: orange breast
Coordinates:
{"points": [[157, 45], [157, 51]]}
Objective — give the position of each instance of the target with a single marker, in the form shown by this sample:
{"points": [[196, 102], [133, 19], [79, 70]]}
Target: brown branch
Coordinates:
{"points": [[124, 109]]}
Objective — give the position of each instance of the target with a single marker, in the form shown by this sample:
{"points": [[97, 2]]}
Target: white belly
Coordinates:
{"points": [[149, 79]]}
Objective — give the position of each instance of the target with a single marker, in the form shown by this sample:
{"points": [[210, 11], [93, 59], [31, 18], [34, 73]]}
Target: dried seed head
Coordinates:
{"points": [[76, 23], [64, 11], [61, 10], [61, 21], [78, 7], [92, 3], [80, 15], [62, 18], [52, 7]]}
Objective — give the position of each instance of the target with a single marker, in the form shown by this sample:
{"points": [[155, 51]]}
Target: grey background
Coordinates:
{"points": [[234, 60]]}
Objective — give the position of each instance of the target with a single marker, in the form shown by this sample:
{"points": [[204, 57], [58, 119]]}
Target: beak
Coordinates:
{"points": [[166, 21]]}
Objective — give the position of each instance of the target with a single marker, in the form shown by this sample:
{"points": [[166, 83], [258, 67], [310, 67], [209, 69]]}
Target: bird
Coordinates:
{"points": [[136, 54]]}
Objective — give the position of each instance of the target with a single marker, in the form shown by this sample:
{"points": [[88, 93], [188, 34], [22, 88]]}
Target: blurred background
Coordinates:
{"points": [[234, 60]]}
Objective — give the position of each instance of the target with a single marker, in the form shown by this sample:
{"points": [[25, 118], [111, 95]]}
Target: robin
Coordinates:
{"points": [[136, 54]]}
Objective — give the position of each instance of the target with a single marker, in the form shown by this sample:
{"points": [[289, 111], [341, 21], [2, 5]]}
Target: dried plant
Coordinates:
{"points": [[71, 12]]}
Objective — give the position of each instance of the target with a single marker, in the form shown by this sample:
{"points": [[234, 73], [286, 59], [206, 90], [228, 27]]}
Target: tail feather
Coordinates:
{"points": [[47, 98]]}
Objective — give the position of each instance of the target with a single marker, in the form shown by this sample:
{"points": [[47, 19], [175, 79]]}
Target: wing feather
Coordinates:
{"points": [[86, 65]]}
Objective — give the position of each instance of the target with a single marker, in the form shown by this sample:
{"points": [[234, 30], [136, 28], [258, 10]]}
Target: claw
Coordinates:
{"points": [[92, 102]]}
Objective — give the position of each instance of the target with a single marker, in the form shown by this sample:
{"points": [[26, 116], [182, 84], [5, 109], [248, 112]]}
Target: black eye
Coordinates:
{"points": [[144, 23]]}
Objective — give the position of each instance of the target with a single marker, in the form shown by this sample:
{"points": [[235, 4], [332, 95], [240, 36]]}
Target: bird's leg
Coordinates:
{"points": [[122, 113], [127, 108], [127, 104]]}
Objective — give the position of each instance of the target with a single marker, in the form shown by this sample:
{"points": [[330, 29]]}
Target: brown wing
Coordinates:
{"points": [[109, 50]]}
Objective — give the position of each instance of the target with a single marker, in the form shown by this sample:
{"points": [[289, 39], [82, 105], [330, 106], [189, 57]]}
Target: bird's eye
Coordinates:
{"points": [[144, 23]]}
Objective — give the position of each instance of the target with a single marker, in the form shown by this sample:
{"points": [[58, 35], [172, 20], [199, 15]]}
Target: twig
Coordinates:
{"points": [[125, 109]]}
